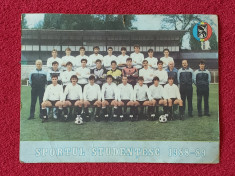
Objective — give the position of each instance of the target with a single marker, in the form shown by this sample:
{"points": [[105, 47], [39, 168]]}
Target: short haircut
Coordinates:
{"points": [[96, 47], [113, 62], [184, 60], [82, 47], [98, 60], [150, 51], [129, 59], [92, 77], [124, 76], [55, 62], [110, 48], [123, 49], [68, 49], [69, 63], [170, 77], [159, 62], [38, 61], [155, 78], [84, 60], [54, 76], [145, 61], [109, 76], [73, 76], [166, 49], [141, 78], [171, 62], [54, 50], [202, 62], [136, 46]]}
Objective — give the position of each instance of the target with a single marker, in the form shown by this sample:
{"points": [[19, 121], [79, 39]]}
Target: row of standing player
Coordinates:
{"points": [[136, 56]]}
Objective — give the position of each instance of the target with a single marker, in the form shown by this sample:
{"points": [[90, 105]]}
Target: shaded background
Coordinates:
{"points": [[10, 84]]}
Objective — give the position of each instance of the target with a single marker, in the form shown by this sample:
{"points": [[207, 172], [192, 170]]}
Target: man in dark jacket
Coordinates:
{"points": [[185, 80], [202, 79], [172, 72], [37, 80]]}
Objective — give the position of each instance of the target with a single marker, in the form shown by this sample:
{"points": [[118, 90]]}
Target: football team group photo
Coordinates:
{"points": [[118, 77]]}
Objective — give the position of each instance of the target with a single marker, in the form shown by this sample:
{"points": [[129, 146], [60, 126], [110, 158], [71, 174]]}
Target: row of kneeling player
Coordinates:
{"points": [[111, 95]]}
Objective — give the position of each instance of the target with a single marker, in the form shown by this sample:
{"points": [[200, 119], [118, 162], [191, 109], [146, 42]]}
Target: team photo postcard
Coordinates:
{"points": [[119, 88]]}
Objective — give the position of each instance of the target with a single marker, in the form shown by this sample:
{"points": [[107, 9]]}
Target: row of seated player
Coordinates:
{"points": [[110, 94], [137, 58]]}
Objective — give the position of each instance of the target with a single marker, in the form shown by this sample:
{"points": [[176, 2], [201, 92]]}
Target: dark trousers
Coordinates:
{"points": [[187, 92], [35, 93], [203, 92]]}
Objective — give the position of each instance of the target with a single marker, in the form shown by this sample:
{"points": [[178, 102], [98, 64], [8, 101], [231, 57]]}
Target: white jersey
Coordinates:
{"points": [[157, 92], [77, 62], [137, 59], [53, 93], [66, 75], [84, 75], [122, 59], [66, 59], [93, 58], [51, 60], [172, 91], [107, 61], [141, 93], [166, 60], [162, 75], [148, 74], [125, 92], [92, 92], [153, 62], [109, 91], [73, 92]]}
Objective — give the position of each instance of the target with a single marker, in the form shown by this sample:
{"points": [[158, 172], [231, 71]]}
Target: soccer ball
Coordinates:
{"points": [[163, 118], [78, 120]]}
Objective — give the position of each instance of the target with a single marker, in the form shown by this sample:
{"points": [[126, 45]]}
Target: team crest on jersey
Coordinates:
{"points": [[202, 31]]}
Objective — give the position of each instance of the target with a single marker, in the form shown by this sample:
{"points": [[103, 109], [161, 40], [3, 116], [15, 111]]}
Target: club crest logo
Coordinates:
{"points": [[202, 31]]}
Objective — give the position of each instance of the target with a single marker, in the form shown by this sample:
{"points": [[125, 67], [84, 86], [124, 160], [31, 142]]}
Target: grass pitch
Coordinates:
{"points": [[191, 129]]}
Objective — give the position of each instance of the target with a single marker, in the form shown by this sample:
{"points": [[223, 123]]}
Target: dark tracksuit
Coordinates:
{"points": [[173, 74], [202, 79], [185, 80], [37, 80]]}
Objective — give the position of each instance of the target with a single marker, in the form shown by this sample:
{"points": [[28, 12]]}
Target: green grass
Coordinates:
{"points": [[191, 129]]}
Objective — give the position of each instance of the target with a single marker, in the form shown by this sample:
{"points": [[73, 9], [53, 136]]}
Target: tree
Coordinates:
{"points": [[180, 22], [194, 43], [88, 22], [51, 21], [39, 25], [187, 22], [213, 42], [23, 22], [115, 22]]}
